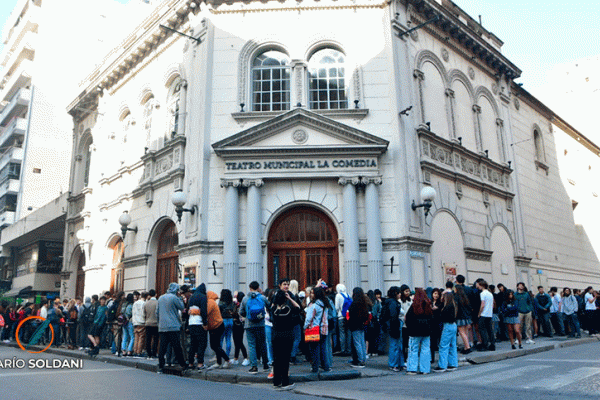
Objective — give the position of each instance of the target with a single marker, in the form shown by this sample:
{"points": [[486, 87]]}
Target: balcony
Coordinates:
{"points": [[7, 218], [25, 49], [16, 128], [9, 186], [20, 26], [14, 155], [15, 105], [17, 80]]}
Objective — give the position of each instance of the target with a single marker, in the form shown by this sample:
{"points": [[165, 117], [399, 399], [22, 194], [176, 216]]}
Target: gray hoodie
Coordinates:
{"points": [[247, 322], [167, 310], [339, 299]]}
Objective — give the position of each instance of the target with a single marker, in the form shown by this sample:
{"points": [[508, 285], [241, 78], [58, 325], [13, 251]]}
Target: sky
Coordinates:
{"points": [[538, 35]]}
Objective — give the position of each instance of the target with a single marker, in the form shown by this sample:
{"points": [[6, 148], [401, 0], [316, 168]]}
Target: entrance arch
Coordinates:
{"points": [[303, 245], [80, 283], [167, 258]]}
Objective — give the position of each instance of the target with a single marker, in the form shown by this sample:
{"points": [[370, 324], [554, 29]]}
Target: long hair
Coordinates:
{"points": [[439, 292], [239, 297], [319, 294], [294, 286], [510, 296], [226, 296], [421, 304], [462, 297], [359, 302], [393, 292], [448, 299], [371, 296]]}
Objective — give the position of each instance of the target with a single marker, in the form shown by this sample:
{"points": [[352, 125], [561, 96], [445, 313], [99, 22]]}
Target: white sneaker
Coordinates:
{"points": [[529, 341], [367, 357], [214, 366], [234, 362], [225, 365], [246, 362]]}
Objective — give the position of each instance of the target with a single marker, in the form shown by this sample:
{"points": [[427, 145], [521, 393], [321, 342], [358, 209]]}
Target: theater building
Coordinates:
{"points": [[269, 139]]}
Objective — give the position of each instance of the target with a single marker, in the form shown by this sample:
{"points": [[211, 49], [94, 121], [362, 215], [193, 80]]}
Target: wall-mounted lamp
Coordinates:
{"points": [[428, 125], [509, 163], [406, 110], [459, 140], [242, 107], [427, 197], [124, 221], [214, 264], [356, 103], [487, 153], [178, 199], [392, 265]]}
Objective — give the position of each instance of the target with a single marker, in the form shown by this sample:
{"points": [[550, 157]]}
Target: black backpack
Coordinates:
{"points": [[88, 314], [111, 314]]}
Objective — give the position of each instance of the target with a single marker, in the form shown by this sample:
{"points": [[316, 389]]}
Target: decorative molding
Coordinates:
{"points": [[299, 136], [127, 169], [252, 182], [349, 180], [250, 116], [225, 183], [445, 55], [135, 261], [543, 166], [407, 243], [377, 180], [522, 261], [517, 104], [471, 73], [472, 253]]}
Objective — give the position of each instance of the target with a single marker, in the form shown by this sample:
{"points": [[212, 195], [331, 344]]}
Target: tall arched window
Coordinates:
{"points": [[539, 146], [173, 107], [271, 82], [126, 122], [327, 80], [147, 116]]}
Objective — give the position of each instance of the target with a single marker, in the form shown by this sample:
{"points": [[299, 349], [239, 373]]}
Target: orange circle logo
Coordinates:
{"points": [[19, 328]]}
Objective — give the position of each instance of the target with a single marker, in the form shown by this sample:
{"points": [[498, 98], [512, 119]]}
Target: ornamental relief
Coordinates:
{"points": [[163, 164]]}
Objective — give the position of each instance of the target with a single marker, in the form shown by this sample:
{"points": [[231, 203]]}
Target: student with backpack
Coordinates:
{"points": [[124, 320], [342, 304], [114, 310], [85, 321], [252, 311], [542, 303], [391, 321]]}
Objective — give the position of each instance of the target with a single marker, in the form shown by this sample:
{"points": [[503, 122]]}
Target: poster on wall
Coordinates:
{"points": [[449, 271]]}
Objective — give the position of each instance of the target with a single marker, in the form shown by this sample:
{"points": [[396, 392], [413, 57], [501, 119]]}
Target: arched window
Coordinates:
{"points": [[116, 275], [173, 107], [271, 82], [86, 155], [327, 80], [126, 123], [539, 146], [147, 117]]}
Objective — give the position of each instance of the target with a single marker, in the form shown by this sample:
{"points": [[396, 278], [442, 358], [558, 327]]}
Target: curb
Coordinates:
{"points": [[524, 352]]}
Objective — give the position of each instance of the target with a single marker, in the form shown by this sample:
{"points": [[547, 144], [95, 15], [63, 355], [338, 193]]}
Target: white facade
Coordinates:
{"points": [[285, 179]]}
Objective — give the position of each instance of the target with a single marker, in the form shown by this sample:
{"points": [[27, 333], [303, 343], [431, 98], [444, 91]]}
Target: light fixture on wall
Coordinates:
{"points": [[459, 140], [427, 196], [214, 264], [178, 199], [125, 221]]}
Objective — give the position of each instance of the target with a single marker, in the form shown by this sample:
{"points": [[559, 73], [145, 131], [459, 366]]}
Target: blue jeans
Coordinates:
{"points": [[359, 346], [127, 343], [419, 354], [345, 336], [297, 338], [228, 325], [448, 353], [269, 337], [573, 322], [395, 356], [257, 345], [319, 355]]}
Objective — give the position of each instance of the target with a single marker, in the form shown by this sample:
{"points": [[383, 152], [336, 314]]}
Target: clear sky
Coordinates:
{"points": [[538, 34]]}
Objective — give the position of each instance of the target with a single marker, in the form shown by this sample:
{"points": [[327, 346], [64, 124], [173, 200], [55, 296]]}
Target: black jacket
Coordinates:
{"points": [[448, 314], [418, 325], [390, 317], [199, 299]]}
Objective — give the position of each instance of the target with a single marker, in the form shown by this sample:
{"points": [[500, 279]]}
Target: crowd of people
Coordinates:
{"points": [[284, 325]]}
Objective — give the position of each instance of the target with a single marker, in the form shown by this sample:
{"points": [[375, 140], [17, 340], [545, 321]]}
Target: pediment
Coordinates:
{"points": [[300, 131]]}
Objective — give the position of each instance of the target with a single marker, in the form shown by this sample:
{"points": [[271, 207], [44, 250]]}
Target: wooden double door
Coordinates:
{"points": [[303, 245], [167, 259]]}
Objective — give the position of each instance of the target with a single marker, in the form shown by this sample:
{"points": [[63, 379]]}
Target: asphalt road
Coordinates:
{"points": [[98, 380], [567, 373]]}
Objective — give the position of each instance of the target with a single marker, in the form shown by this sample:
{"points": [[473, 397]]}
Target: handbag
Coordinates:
{"points": [[312, 335]]}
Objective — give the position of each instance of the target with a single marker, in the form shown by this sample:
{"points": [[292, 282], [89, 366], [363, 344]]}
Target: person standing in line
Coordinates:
{"points": [[316, 315], [590, 310], [139, 324], [151, 324], [342, 301], [436, 323], [284, 317], [125, 321], [253, 312], [238, 332], [358, 317], [97, 327], [391, 321], [555, 317], [293, 289], [448, 360], [73, 314], [499, 300], [372, 333], [418, 324], [485, 316], [543, 302], [569, 307], [199, 335], [405, 303], [525, 306], [167, 314], [226, 308], [510, 314], [113, 312], [215, 328], [463, 313]]}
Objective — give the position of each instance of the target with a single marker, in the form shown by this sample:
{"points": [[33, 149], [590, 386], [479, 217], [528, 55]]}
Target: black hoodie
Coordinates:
{"points": [[199, 299]]}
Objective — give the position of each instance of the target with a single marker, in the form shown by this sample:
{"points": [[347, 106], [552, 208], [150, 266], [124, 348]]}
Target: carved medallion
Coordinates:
{"points": [[517, 104], [300, 136], [445, 55], [495, 88], [471, 73]]}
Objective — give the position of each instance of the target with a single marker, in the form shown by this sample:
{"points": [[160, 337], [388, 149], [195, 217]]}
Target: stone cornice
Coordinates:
{"points": [[128, 169], [137, 260], [249, 6], [478, 254], [522, 261], [467, 36], [355, 113]]}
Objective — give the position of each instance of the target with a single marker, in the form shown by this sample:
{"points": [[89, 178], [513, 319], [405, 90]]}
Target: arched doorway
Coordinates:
{"points": [[166, 258], [116, 272], [303, 245], [80, 285]]}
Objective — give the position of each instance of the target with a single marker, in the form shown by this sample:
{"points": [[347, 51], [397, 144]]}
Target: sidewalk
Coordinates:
{"points": [[341, 369]]}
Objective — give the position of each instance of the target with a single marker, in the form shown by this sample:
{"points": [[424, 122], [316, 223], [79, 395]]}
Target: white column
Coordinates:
{"points": [[351, 250], [253, 246], [182, 108], [374, 246], [231, 254]]}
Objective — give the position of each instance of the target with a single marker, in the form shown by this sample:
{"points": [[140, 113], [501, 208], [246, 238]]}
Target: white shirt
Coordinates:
{"points": [[588, 305], [555, 307], [487, 299]]}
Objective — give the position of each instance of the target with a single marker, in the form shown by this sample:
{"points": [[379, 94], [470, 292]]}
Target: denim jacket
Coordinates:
{"points": [[316, 314]]}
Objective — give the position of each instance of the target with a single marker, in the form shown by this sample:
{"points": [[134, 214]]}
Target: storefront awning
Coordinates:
{"points": [[18, 291]]}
